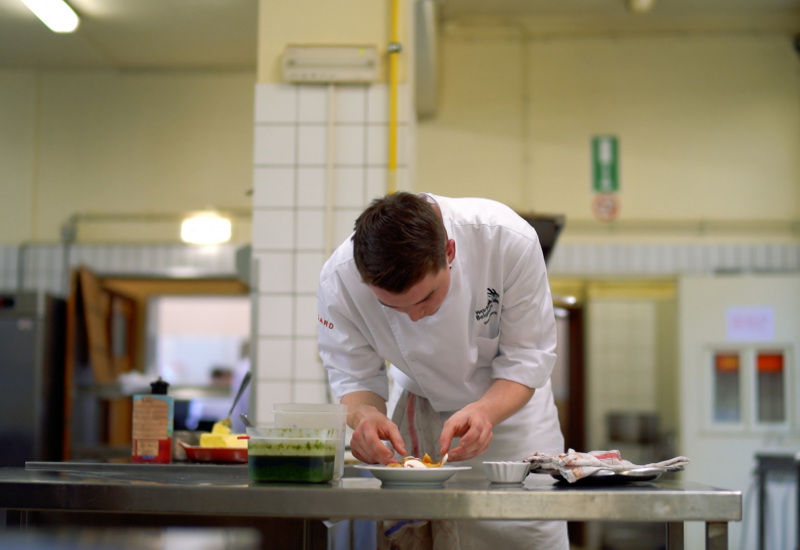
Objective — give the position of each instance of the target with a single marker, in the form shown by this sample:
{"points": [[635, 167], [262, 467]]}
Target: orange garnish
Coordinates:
{"points": [[426, 460]]}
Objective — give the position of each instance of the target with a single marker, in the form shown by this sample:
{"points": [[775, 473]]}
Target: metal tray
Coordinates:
{"points": [[608, 477]]}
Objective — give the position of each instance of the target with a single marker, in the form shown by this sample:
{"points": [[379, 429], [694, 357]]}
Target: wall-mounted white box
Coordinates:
{"points": [[340, 63]]}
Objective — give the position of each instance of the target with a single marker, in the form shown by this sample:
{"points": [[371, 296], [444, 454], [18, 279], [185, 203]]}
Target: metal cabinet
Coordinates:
{"points": [[31, 377]]}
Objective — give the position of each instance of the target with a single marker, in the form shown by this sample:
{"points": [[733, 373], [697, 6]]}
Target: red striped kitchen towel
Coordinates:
{"points": [[574, 465]]}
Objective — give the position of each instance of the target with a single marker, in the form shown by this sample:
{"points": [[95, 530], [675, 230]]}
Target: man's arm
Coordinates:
{"points": [[474, 422], [366, 414]]}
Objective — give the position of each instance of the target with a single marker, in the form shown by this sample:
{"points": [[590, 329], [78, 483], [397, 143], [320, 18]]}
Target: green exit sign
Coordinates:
{"points": [[605, 164]]}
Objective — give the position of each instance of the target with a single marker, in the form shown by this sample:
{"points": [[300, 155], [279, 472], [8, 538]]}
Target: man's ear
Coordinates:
{"points": [[450, 250]]}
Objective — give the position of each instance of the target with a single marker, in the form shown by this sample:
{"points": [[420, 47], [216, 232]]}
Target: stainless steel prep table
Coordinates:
{"points": [[226, 491]]}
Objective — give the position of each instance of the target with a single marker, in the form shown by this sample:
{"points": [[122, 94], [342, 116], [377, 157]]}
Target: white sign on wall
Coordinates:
{"points": [[750, 324]]}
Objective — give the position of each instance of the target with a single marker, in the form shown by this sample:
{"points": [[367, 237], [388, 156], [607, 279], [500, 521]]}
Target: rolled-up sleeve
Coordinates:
{"points": [[528, 337], [347, 355]]}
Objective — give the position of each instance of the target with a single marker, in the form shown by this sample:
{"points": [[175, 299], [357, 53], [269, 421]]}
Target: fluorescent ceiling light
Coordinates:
{"points": [[640, 6], [206, 228], [56, 14]]}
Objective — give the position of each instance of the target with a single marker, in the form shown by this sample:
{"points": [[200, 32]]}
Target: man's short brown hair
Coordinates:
{"points": [[399, 239]]}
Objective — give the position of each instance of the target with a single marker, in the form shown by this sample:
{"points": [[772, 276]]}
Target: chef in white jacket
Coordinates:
{"points": [[452, 295]]}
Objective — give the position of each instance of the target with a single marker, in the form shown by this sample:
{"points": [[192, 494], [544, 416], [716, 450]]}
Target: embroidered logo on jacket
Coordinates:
{"points": [[486, 313]]}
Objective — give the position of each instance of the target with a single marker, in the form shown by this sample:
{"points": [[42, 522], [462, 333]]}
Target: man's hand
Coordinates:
{"points": [[366, 414], [475, 430], [474, 423]]}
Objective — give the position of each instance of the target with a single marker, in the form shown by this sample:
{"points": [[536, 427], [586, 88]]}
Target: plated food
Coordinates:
{"points": [[414, 462]]}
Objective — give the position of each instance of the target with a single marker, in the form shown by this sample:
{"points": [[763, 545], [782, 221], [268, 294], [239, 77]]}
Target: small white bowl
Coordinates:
{"points": [[506, 472]]}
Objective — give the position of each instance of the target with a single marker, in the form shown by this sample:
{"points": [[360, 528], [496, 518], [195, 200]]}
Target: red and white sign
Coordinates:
{"points": [[605, 207]]}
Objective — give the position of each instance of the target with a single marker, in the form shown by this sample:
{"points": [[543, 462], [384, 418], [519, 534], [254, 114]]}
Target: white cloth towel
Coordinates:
{"points": [[574, 465]]}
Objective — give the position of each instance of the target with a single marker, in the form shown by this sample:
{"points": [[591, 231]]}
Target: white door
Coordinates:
{"points": [[739, 342]]}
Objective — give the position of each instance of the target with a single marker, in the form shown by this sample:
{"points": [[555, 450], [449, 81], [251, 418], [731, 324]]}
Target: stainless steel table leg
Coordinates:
{"points": [[16, 519], [306, 534], [762, 508], [675, 535], [716, 535]]}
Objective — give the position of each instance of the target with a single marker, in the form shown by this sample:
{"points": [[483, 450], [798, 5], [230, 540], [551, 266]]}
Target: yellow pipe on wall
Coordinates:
{"points": [[394, 53]]}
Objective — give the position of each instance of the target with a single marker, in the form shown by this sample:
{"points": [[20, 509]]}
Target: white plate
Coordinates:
{"points": [[412, 476]]}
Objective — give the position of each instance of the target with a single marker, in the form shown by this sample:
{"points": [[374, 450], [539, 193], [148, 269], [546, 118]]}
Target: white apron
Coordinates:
{"points": [[512, 441]]}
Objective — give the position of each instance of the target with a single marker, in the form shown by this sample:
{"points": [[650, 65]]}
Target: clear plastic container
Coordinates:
{"points": [[316, 416], [292, 454]]}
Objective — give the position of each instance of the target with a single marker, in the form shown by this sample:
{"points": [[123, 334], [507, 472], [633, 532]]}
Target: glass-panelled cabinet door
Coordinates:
{"points": [[726, 375], [771, 387], [750, 388]]}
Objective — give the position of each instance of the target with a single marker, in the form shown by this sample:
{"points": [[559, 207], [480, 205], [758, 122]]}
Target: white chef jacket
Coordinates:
{"points": [[496, 321]]}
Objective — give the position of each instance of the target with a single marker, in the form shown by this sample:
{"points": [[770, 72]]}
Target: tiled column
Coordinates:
{"points": [[309, 185]]}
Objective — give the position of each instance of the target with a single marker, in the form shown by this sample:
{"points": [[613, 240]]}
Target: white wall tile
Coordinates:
{"points": [[308, 267], [378, 144], [273, 187], [343, 221], [311, 392], [275, 315], [351, 104], [274, 358], [403, 181], [273, 229], [350, 145], [275, 103], [405, 107], [313, 104], [308, 365], [349, 187], [305, 316], [267, 394], [312, 147], [275, 271], [378, 104], [274, 145], [310, 229], [378, 181], [311, 186], [377, 185]]}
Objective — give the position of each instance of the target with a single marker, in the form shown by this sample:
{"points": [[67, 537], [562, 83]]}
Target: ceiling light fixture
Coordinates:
{"points": [[640, 6], [206, 228], [56, 14]]}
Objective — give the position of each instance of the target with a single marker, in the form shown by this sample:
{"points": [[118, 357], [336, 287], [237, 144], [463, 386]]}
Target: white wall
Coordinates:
{"points": [[122, 142], [723, 456], [708, 124]]}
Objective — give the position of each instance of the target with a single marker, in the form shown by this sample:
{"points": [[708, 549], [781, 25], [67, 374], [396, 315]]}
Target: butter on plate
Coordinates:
{"points": [[222, 440]]}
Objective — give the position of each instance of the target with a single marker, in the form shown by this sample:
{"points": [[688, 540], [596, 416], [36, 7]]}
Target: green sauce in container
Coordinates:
{"points": [[290, 455]]}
